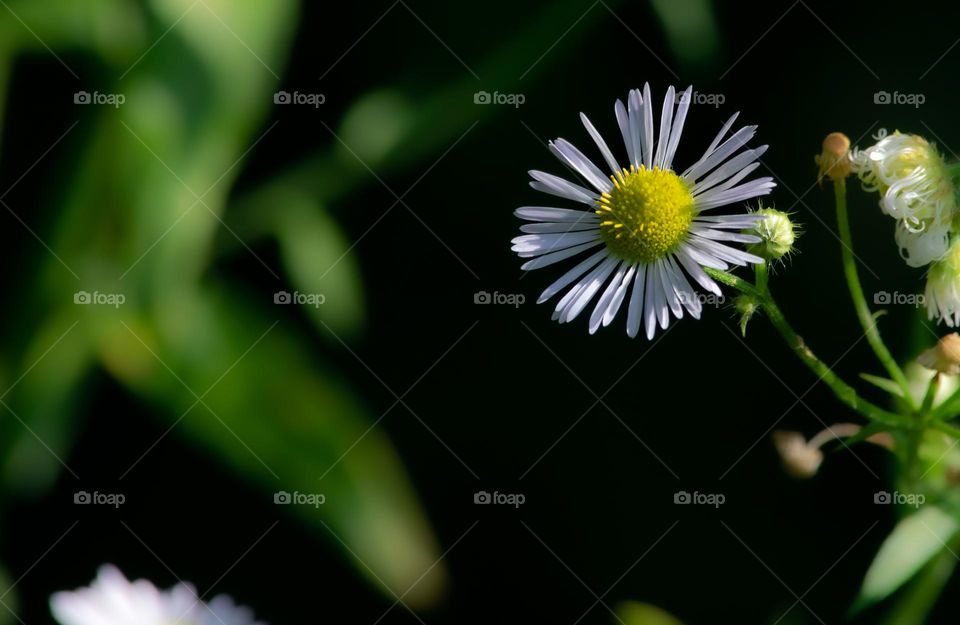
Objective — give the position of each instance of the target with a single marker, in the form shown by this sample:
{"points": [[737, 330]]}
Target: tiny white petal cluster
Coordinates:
{"points": [[114, 600], [915, 189]]}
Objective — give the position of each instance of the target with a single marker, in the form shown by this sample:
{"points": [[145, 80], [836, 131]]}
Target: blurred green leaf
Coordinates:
{"points": [[691, 30], [279, 419], [317, 257], [913, 542], [45, 400], [636, 613], [915, 603]]}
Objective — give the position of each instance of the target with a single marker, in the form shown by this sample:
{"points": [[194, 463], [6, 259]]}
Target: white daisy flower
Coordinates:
{"points": [[113, 600], [915, 189], [650, 223]]}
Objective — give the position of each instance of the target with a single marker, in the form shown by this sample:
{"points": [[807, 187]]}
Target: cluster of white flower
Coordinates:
{"points": [[917, 190], [114, 600]]}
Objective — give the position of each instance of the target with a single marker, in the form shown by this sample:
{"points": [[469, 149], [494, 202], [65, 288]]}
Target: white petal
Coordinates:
{"points": [[581, 268], [688, 296], [697, 272], [719, 155], [677, 128], [597, 315], [569, 154], [703, 258], [666, 119], [546, 227], [623, 121], [601, 144], [635, 311], [529, 245], [670, 293], [547, 213], [745, 191], [720, 235], [723, 131], [652, 303], [730, 168], [590, 288], [647, 127], [724, 252], [554, 257], [635, 110], [618, 297], [554, 185]]}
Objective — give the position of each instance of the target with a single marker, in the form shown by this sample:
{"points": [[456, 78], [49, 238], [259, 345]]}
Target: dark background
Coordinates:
{"points": [[599, 514]]}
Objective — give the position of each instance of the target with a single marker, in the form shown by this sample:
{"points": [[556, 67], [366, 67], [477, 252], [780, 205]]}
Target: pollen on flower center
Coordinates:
{"points": [[646, 214]]}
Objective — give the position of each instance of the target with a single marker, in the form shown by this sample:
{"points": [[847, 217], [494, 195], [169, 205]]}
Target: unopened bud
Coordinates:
{"points": [[777, 234], [944, 357], [834, 159], [799, 459], [746, 306]]}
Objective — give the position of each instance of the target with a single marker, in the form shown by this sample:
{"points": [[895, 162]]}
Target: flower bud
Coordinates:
{"points": [[746, 306], [834, 159], [777, 234], [944, 357], [799, 459]]}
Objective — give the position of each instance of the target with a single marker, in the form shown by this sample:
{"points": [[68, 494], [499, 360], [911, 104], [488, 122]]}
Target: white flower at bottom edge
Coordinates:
{"points": [[114, 600], [650, 222]]}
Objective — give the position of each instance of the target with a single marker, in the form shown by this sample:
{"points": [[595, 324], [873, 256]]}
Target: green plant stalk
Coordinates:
{"points": [[867, 320], [844, 392], [916, 433]]}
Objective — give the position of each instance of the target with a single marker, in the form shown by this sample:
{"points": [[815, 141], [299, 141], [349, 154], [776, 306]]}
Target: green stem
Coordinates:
{"points": [[844, 392], [762, 276], [867, 320], [932, 389]]}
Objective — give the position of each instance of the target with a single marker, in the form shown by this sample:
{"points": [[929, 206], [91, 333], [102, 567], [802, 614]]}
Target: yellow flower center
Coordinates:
{"points": [[646, 215]]}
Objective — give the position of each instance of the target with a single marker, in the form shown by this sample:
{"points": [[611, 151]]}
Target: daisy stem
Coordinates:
{"points": [[844, 392], [867, 319]]}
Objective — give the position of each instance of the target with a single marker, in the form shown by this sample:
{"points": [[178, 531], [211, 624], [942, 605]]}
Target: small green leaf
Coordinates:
{"points": [[914, 542], [883, 384]]}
